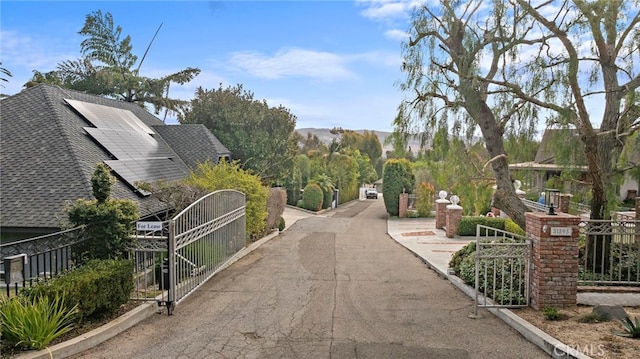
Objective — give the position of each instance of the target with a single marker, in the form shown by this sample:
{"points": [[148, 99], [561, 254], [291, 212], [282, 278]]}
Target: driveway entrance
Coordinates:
{"points": [[328, 287]]}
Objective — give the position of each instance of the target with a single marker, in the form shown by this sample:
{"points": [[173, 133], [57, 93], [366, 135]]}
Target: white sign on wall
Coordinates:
{"points": [[149, 226], [561, 231]]}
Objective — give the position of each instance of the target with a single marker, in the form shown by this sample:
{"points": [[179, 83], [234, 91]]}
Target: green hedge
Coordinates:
{"points": [[99, 287], [468, 224], [397, 176]]}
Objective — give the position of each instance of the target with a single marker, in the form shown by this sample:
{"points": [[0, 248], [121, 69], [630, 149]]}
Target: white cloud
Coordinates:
{"points": [[43, 54], [381, 58], [396, 34], [387, 9], [293, 62]]}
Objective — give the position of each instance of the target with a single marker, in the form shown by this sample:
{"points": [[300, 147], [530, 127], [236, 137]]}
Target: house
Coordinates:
{"points": [[52, 138], [562, 150]]}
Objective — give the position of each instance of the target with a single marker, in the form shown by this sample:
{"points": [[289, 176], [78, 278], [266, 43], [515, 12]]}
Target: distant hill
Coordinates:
{"points": [[325, 135]]}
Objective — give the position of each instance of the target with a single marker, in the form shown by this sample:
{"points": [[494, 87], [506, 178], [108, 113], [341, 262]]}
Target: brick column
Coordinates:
{"points": [[453, 217], [441, 212], [554, 267], [563, 203], [403, 205]]}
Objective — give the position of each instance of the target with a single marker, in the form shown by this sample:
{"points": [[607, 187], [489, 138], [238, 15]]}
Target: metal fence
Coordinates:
{"points": [[610, 252], [41, 258], [535, 206], [181, 254], [502, 269]]}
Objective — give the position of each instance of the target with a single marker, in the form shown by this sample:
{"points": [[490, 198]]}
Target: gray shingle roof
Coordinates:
{"points": [[194, 143], [47, 158], [550, 143]]}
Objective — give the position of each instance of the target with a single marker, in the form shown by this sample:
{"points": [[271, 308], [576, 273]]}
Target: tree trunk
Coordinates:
{"points": [[505, 197], [476, 106]]}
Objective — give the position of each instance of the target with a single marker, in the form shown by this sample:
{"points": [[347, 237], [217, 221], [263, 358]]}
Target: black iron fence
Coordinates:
{"points": [[22, 263]]}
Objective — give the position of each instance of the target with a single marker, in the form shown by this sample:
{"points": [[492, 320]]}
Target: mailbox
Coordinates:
{"points": [[14, 268]]}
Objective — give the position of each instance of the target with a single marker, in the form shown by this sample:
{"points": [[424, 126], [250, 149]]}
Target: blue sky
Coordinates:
{"points": [[332, 63]]}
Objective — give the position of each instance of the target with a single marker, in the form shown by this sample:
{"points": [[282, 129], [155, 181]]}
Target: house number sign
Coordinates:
{"points": [[561, 231]]}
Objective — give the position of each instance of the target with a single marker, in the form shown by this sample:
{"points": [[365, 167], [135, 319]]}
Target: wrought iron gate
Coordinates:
{"points": [[502, 269], [175, 257]]}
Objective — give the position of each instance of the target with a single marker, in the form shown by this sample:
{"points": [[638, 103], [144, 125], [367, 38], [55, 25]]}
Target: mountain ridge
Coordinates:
{"points": [[325, 135]]}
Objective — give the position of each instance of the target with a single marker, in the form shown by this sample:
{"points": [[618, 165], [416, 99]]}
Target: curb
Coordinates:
{"points": [[96, 336], [102, 334]]}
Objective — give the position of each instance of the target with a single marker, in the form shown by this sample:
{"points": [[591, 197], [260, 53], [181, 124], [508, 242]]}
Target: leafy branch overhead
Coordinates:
{"points": [[500, 68], [108, 68]]}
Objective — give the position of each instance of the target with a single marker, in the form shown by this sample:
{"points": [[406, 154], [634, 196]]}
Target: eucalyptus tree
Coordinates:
{"points": [[501, 66], [110, 68]]}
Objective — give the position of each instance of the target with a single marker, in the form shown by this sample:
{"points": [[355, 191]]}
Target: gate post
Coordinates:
{"points": [[403, 204], [453, 217], [441, 210], [563, 203], [173, 278], [554, 259]]}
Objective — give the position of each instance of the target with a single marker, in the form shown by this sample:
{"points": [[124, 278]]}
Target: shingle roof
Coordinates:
{"points": [[560, 142], [47, 158], [193, 143]]}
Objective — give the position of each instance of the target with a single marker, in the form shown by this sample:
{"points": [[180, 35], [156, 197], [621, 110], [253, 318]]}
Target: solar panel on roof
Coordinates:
{"points": [[140, 157], [129, 144], [149, 170], [110, 117]]}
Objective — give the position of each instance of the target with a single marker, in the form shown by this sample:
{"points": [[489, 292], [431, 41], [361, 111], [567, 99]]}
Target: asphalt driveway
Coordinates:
{"points": [[334, 286]]}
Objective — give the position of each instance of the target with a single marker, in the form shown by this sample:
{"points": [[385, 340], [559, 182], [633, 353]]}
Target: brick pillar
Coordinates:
{"points": [[403, 205], [563, 203], [441, 212], [453, 217], [554, 267]]}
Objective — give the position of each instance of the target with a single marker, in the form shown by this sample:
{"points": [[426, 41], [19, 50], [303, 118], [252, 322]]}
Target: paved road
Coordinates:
{"points": [[328, 287]]}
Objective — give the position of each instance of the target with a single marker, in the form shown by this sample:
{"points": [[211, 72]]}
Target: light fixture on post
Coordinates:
{"points": [[442, 194]]}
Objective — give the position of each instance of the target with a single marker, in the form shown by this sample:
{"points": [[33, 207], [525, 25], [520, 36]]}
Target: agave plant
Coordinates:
{"points": [[631, 328]]}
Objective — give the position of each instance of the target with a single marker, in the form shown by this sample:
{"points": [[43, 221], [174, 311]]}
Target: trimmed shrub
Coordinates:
{"points": [[513, 227], [282, 224], [468, 224], [460, 255], [397, 176], [276, 202], [312, 197], [108, 221], [98, 288]]}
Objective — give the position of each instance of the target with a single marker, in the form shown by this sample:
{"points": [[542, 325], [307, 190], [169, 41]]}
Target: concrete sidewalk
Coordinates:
{"points": [[420, 236]]}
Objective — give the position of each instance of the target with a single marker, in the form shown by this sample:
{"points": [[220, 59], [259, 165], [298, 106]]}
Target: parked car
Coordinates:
{"points": [[371, 193]]}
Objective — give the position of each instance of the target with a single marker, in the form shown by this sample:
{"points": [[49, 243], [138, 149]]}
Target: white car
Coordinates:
{"points": [[371, 193]]}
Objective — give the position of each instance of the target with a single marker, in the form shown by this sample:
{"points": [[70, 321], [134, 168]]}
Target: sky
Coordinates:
{"points": [[331, 63]]}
